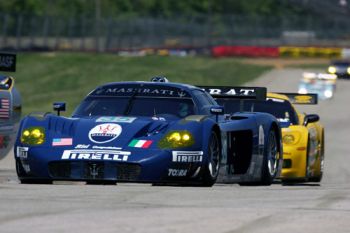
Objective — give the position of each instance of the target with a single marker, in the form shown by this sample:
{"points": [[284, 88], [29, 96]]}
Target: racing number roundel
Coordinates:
{"points": [[105, 133]]}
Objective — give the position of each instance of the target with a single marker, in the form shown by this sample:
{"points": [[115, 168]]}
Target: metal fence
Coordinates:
{"points": [[25, 32]]}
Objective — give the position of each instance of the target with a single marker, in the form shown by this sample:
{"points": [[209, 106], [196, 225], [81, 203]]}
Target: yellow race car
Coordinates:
{"points": [[302, 136]]}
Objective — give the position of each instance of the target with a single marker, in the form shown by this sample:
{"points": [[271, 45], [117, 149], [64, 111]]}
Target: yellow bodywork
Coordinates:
{"points": [[303, 148]]}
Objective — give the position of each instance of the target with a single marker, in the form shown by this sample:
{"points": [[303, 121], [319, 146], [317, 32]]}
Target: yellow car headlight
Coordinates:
{"points": [[176, 139], [288, 139], [291, 138], [348, 70], [332, 70], [33, 136]]}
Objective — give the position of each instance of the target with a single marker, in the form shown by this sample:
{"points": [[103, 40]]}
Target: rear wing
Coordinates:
{"points": [[296, 98], [7, 62], [258, 93]]}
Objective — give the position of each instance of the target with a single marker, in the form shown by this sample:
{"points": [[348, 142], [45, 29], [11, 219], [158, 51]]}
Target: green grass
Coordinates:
{"points": [[43, 78]]}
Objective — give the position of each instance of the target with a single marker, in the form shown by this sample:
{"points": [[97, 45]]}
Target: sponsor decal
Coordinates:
{"points": [[4, 109], [7, 62], [22, 152], [303, 99], [62, 141], [140, 143], [116, 119], [104, 133], [82, 146], [187, 156], [177, 172], [141, 90], [241, 91], [106, 147], [106, 155]]}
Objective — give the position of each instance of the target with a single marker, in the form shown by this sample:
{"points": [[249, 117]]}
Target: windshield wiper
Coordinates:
{"points": [[129, 104]]}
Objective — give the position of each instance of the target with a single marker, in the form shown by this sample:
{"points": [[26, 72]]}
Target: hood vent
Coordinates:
{"points": [[61, 125]]}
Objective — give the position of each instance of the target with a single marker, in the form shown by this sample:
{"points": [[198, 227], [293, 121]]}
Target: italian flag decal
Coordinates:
{"points": [[140, 143]]}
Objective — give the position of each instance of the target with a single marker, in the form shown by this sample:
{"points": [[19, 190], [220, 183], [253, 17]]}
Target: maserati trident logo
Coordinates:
{"points": [[94, 169], [105, 133]]}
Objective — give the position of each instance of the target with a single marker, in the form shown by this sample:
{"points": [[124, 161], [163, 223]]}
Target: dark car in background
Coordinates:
{"points": [[341, 68]]}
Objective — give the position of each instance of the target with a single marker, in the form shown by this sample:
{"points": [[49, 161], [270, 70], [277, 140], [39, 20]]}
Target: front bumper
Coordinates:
{"points": [[294, 163], [155, 166]]}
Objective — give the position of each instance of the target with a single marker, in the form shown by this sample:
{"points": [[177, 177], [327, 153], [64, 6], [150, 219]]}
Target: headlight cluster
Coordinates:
{"points": [[33, 136], [176, 139], [332, 69], [291, 138]]}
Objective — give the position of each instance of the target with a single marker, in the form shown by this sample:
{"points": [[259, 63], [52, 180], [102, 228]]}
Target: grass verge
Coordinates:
{"points": [[43, 78]]}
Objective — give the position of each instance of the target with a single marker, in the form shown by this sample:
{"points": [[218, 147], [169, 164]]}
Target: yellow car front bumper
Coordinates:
{"points": [[294, 162]]}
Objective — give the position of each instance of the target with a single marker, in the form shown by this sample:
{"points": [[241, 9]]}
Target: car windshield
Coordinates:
{"points": [[134, 106], [283, 110], [341, 63]]}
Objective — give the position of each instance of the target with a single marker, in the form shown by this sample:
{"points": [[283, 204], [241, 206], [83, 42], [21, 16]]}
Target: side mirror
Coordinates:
{"points": [[59, 107], [311, 118], [217, 110]]}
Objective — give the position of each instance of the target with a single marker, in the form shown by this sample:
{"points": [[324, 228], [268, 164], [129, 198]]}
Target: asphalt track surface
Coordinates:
{"points": [[222, 208]]}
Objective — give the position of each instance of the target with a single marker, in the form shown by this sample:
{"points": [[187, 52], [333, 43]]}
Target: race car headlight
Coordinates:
{"points": [[328, 93], [291, 138], [348, 70], [33, 136], [332, 70], [176, 139]]}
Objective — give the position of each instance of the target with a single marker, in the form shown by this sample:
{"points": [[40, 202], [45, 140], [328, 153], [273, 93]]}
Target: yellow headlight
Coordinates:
{"points": [[33, 136], [348, 70], [175, 136], [332, 69], [288, 139], [186, 137], [26, 133], [291, 138], [175, 139]]}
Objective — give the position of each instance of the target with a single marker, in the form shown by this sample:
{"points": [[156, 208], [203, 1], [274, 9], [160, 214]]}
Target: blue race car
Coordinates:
{"points": [[155, 132]]}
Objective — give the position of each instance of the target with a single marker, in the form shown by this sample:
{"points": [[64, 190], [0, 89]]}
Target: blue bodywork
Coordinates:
{"points": [[131, 147]]}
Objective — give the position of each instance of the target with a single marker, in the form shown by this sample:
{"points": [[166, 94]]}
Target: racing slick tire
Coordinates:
{"points": [[271, 160], [211, 169]]}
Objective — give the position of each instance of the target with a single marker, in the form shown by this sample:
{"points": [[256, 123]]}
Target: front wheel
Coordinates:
{"points": [[211, 169], [271, 160]]}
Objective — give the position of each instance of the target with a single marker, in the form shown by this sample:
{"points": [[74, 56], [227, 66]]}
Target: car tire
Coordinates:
{"points": [[271, 159], [319, 177], [211, 169]]}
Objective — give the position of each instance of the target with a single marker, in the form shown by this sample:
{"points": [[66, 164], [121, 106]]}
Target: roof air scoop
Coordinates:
{"points": [[159, 79]]}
